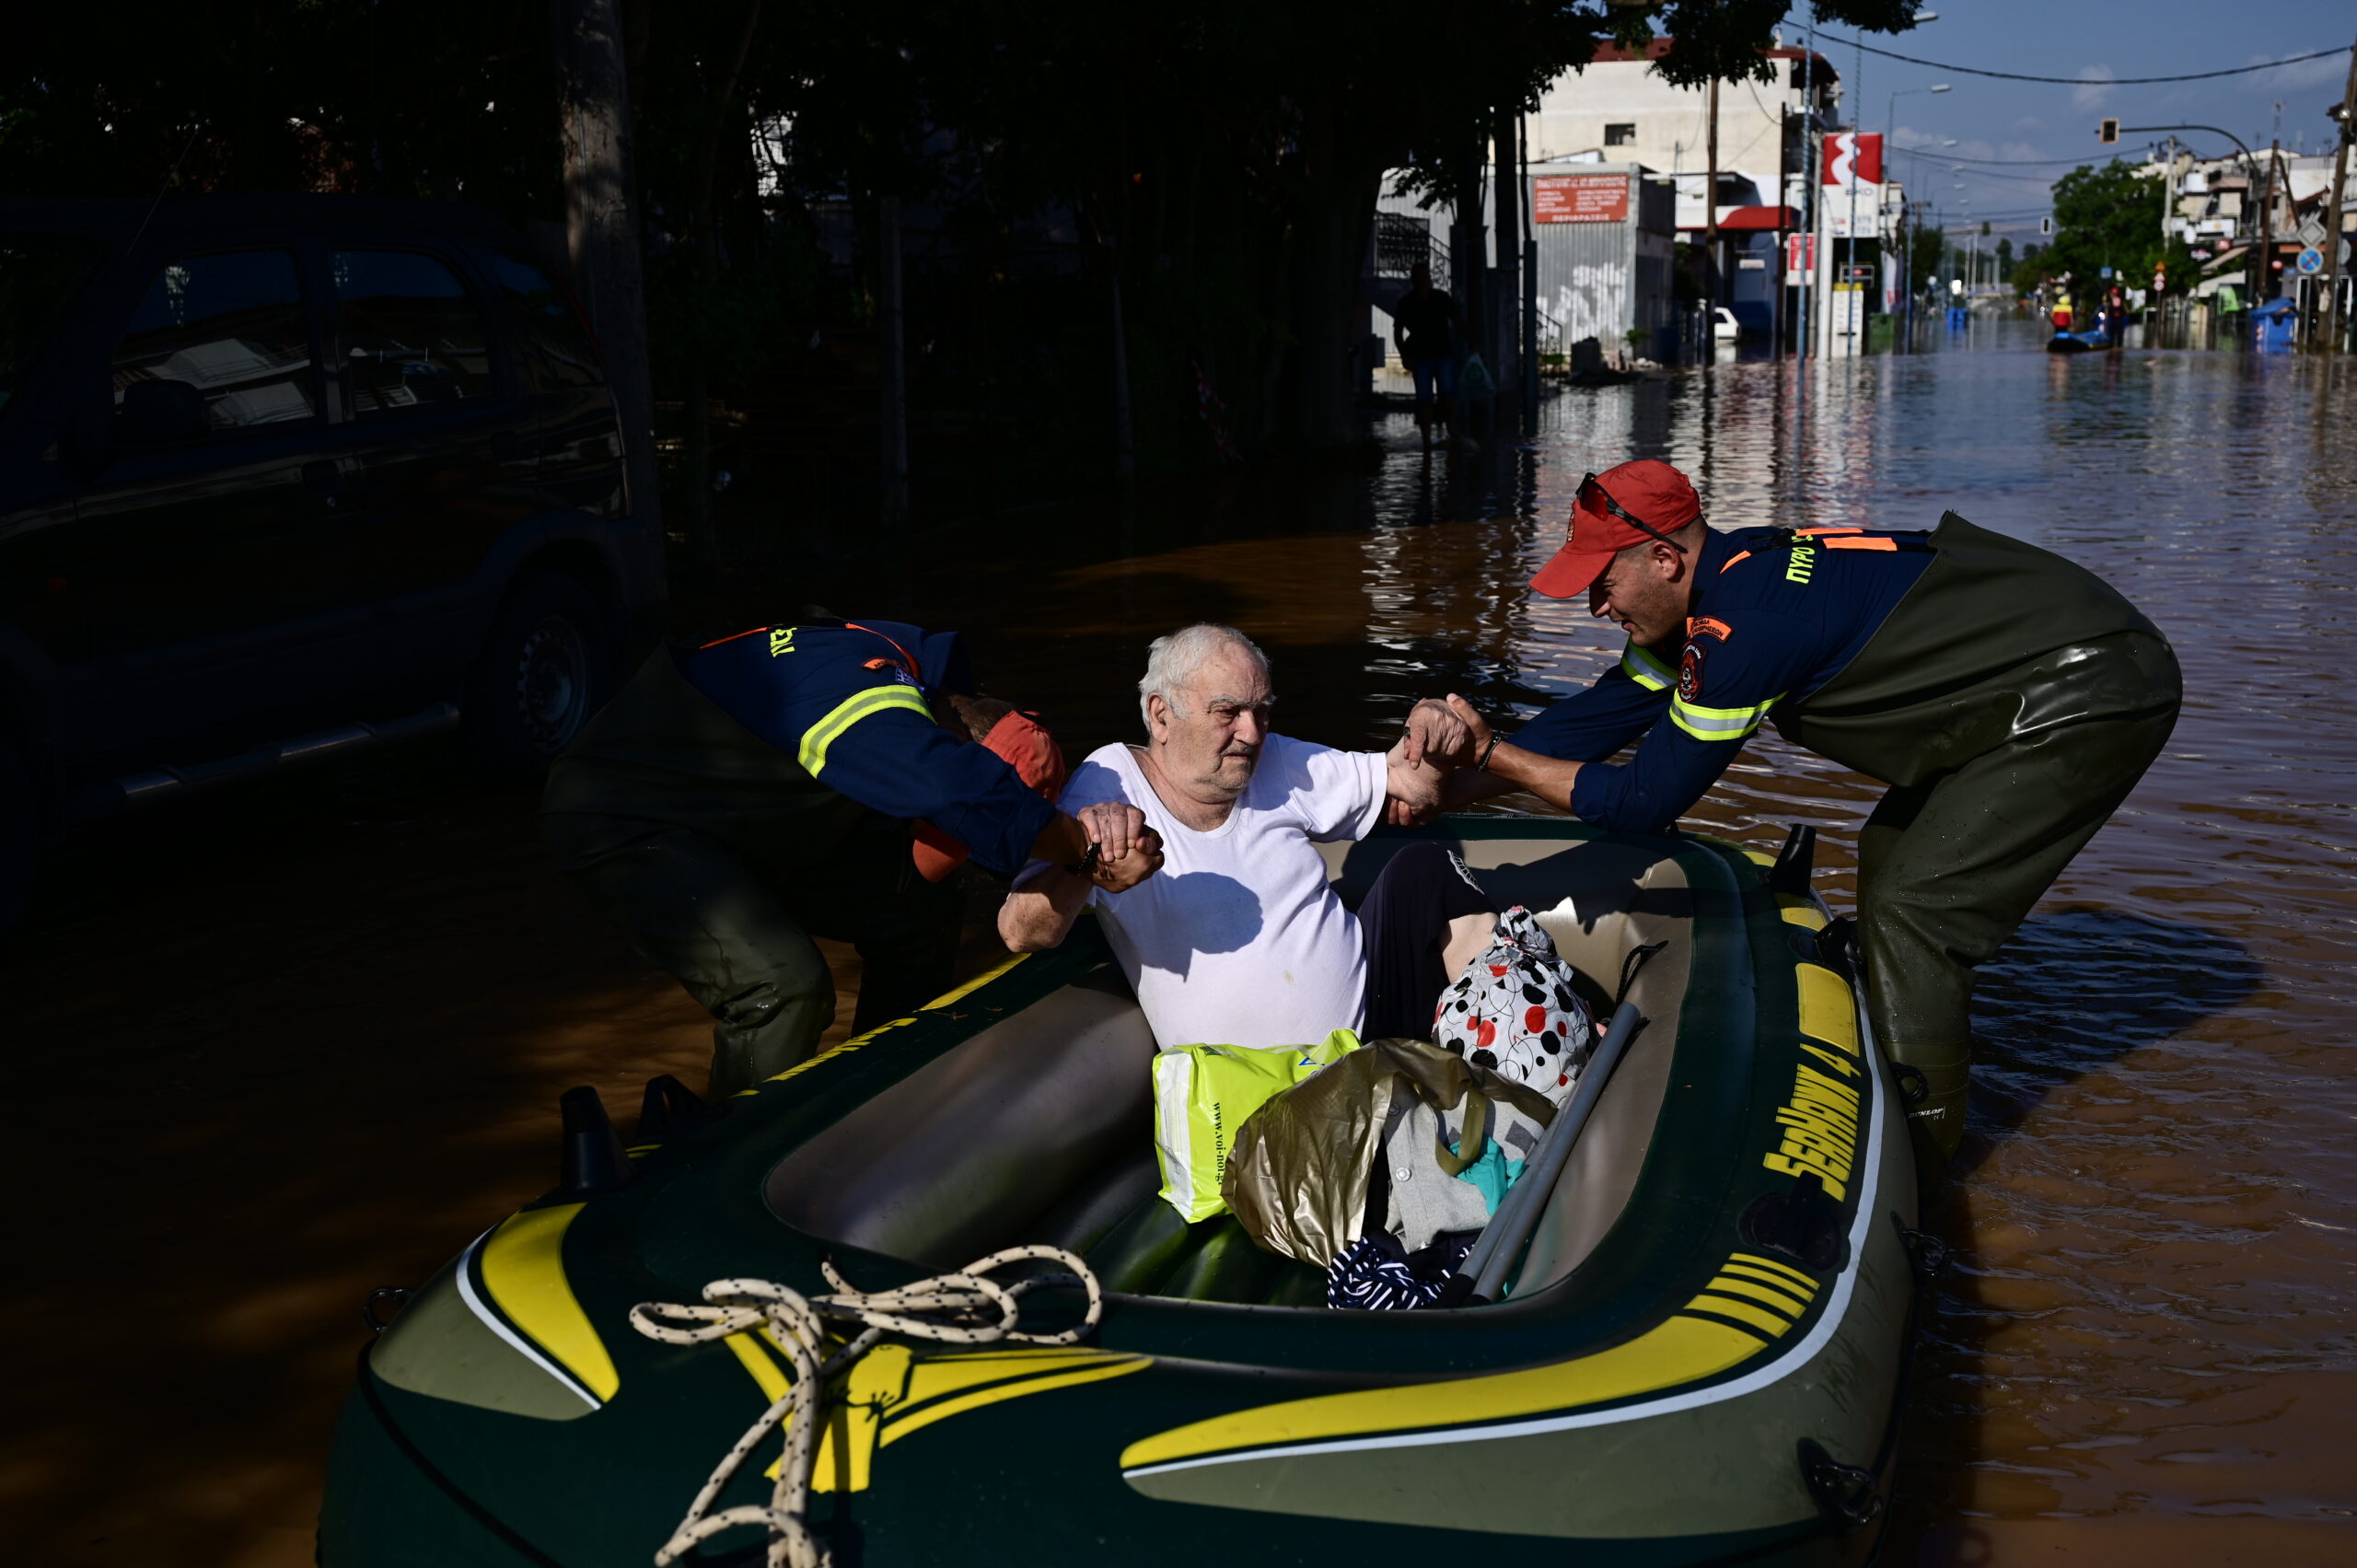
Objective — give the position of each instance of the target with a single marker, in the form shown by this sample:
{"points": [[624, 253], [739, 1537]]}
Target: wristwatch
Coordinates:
{"points": [[1085, 867]]}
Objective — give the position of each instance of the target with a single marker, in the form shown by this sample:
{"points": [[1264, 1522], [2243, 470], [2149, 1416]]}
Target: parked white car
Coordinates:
{"points": [[1724, 328]]}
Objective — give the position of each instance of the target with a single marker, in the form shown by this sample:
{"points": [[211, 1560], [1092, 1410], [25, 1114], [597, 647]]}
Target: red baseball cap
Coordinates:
{"points": [[1621, 507]]}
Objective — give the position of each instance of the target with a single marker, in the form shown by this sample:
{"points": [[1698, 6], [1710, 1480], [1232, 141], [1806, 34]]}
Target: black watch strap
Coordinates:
{"points": [[1085, 867]]}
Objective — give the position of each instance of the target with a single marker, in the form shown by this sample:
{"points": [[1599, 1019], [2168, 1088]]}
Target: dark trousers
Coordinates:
{"points": [[1948, 869], [1404, 921], [739, 938]]}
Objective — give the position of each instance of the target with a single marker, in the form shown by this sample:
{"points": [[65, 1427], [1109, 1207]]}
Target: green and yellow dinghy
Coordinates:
{"points": [[1698, 1357]]}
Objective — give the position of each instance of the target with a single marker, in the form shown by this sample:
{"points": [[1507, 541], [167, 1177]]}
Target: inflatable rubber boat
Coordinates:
{"points": [[1698, 1359], [2078, 343]]}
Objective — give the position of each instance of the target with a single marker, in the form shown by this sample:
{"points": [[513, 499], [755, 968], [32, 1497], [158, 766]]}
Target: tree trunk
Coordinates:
{"points": [[706, 236], [1505, 340], [601, 229], [1330, 321]]}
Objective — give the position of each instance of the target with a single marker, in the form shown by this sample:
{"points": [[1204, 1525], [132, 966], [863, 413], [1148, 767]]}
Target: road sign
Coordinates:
{"points": [[2311, 260]]}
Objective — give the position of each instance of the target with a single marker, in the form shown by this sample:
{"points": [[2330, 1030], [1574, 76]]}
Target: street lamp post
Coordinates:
{"points": [[1906, 257]]}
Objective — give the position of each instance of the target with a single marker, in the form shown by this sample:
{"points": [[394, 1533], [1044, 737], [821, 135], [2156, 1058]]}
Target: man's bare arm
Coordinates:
{"points": [[1040, 914]]}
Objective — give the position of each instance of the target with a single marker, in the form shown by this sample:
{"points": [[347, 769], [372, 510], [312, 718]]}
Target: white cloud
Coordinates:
{"points": [[2093, 95], [2029, 123]]}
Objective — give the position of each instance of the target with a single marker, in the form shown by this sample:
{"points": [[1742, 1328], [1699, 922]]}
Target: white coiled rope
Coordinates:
{"points": [[964, 1308]]}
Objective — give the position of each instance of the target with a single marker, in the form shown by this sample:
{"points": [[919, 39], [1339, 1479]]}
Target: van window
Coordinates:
{"points": [[554, 346], [413, 336], [230, 326], [41, 274]]}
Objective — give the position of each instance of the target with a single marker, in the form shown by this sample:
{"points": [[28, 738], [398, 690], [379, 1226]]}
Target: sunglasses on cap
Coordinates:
{"points": [[1593, 496]]}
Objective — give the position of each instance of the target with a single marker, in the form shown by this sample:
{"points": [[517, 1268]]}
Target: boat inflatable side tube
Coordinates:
{"points": [[1509, 1229]]}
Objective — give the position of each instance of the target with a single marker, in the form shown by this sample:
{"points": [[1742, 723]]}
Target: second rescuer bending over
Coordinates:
{"points": [[2010, 698]]}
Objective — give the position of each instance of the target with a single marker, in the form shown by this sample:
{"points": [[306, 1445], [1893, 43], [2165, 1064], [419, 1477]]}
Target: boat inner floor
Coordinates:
{"points": [[1039, 1129]]}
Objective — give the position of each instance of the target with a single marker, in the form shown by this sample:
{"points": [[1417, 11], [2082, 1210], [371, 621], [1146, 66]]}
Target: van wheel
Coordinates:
{"points": [[19, 832], [544, 670]]}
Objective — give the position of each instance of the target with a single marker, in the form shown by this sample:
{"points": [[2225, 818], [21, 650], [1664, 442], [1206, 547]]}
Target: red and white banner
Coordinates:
{"points": [[1800, 258], [1853, 158]]}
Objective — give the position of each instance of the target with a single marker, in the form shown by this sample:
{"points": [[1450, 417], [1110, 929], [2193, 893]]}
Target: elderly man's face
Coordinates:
{"points": [[1211, 742]]}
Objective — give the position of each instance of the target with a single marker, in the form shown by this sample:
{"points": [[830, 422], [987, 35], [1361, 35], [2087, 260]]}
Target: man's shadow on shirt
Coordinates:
{"points": [[1223, 916]]}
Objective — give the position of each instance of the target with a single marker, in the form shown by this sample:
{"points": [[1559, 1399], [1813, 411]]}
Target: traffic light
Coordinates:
{"points": [[2046, 224], [2108, 132], [1984, 228]]}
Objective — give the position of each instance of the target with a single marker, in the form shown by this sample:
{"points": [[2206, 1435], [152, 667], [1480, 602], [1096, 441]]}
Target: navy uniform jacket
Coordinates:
{"points": [[845, 701], [1776, 617]]}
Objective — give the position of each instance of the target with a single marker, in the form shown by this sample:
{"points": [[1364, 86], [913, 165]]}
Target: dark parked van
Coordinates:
{"points": [[282, 476]]}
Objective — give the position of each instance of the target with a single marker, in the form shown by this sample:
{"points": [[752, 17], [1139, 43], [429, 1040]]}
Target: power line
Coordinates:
{"points": [[2086, 81]]}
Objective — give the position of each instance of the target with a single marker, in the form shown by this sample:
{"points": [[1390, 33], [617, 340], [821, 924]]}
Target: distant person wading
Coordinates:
{"points": [[1421, 323]]}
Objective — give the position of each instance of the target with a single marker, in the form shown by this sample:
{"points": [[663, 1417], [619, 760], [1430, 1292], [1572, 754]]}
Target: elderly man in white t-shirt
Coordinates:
{"points": [[1241, 940]]}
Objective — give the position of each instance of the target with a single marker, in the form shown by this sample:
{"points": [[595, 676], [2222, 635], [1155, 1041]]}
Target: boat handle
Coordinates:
{"points": [[397, 1294]]}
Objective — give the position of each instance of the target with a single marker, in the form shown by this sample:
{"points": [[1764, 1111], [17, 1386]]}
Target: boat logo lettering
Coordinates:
{"points": [[1802, 563], [781, 640], [1820, 1123]]}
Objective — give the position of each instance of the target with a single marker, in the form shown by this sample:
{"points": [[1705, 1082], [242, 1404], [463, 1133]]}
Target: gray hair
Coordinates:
{"points": [[1172, 661]]}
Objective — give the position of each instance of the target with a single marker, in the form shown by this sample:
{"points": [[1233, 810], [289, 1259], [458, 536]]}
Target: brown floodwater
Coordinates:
{"points": [[276, 1049]]}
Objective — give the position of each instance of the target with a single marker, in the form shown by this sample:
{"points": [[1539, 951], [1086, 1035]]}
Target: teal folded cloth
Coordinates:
{"points": [[1491, 1174]]}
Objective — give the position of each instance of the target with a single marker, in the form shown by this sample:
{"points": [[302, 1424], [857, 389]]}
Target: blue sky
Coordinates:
{"points": [[2088, 39]]}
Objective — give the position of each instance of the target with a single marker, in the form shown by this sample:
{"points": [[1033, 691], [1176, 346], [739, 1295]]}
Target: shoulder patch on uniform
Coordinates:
{"points": [[1705, 626], [1689, 673], [781, 640]]}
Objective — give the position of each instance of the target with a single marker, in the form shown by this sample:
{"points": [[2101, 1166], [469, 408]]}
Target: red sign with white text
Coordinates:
{"points": [[1851, 157], [1579, 198]]}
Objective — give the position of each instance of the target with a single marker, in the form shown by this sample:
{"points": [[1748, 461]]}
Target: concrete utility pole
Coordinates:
{"points": [[2332, 211], [2265, 288], [601, 228], [1711, 207], [1808, 184]]}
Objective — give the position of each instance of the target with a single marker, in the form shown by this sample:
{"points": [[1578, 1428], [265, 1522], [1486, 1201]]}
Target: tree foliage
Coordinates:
{"points": [[2107, 216], [1216, 160]]}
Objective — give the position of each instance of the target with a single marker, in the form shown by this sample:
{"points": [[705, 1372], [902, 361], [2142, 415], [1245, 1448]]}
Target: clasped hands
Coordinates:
{"points": [[1442, 738], [1128, 852]]}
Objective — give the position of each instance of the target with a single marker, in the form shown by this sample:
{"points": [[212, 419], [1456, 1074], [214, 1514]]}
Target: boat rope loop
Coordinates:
{"points": [[964, 1308]]}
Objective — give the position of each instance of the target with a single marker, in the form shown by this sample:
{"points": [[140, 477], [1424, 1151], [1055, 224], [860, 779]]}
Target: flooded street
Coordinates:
{"points": [[284, 1046]]}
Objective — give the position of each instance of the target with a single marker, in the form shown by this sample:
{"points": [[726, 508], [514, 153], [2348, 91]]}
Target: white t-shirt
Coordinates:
{"points": [[1239, 939]]}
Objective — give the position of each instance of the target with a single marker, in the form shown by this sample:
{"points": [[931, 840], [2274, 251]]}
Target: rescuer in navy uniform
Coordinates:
{"points": [[2009, 699], [825, 778]]}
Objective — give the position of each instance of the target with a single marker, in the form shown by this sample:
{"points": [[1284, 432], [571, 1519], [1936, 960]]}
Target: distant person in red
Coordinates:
{"points": [[2062, 311], [1420, 329]]}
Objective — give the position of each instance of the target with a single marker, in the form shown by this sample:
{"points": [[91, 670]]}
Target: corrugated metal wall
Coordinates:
{"points": [[1599, 279]]}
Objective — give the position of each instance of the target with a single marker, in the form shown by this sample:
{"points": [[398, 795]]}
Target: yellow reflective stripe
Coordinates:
{"points": [[849, 712], [1646, 670], [1718, 724], [523, 1269], [1827, 1010], [1683, 1349]]}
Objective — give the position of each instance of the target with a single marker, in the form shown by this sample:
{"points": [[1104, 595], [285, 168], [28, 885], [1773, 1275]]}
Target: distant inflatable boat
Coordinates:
{"points": [[1698, 1358], [2077, 342]]}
